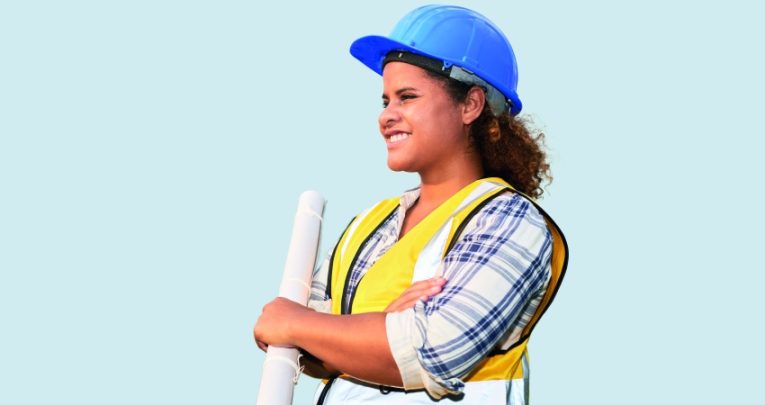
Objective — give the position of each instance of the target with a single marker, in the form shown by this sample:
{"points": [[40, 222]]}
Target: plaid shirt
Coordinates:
{"points": [[496, 274]]}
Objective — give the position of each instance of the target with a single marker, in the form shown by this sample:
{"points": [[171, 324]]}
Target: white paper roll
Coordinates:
{"points": [[281, 368]]}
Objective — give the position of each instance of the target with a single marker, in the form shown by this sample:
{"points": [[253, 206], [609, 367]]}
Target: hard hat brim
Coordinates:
{"points": [[371, 50]]}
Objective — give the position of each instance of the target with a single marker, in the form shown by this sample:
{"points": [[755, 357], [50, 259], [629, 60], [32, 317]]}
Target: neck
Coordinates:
{"points": [[448, 176], [434, 190]]}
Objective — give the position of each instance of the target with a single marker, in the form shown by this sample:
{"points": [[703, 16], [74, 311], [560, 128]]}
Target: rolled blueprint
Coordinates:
{"points": [[281, 368]]}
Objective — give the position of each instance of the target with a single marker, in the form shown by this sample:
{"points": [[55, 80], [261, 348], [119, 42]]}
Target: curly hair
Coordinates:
{"points": [[506, 144]]}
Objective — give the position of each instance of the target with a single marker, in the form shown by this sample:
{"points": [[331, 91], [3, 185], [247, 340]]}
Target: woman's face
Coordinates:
{"points": [[422, 125]]}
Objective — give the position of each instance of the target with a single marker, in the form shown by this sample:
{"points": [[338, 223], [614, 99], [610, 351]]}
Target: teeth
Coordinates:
{"points": [[398, 137]]}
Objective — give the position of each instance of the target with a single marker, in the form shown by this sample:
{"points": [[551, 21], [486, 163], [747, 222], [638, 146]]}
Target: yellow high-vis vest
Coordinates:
{"points": [[417, 256]]}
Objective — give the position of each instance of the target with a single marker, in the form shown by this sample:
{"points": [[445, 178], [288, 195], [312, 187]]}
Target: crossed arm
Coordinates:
{"points": [[356, 345]]}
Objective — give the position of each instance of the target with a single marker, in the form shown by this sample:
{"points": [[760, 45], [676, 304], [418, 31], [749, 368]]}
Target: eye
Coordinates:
{"points": [[406, 96]]}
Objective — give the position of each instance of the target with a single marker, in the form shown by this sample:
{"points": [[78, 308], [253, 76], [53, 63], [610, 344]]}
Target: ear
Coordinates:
{"points": [[473, 105]]}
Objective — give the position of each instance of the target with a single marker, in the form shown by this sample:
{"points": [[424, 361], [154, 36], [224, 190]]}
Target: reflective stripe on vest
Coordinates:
{"points": [[418, 256]]}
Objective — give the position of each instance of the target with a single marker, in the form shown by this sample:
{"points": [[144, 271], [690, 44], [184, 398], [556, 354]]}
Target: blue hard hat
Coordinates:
{"points": [[455, 36]]}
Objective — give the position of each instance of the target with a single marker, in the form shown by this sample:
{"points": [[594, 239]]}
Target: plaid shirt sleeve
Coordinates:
{"points": [[496, 275]]}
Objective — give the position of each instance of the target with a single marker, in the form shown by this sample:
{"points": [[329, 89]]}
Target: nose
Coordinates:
{"points": [[388, 117]]}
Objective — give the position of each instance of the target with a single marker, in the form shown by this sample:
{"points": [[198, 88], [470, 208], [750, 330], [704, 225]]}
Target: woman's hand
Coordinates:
{"points": [[356, 344], [419, 291], [276, 323]]}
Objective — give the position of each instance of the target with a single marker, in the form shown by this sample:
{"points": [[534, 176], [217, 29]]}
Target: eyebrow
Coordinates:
{"points": [[401, 90]]}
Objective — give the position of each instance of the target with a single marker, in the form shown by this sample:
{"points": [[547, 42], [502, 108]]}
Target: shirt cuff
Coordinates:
{"points": [[404, 339]]}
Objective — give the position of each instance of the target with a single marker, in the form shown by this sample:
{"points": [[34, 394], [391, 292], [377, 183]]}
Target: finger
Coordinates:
{"points": [[417, 294], [406, 301], [410, 296], [423, 283], [439, 280], [417, 290], [402, 303]]}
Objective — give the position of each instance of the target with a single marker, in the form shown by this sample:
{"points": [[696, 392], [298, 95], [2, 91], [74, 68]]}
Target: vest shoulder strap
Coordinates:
{"points": [[373, 217]]}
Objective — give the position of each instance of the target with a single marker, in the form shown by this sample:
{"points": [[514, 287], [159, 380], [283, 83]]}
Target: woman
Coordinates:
{"points": [[438, 289]]}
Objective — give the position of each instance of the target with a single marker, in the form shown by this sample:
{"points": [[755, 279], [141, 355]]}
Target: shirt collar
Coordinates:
{"points": [[409, 198]]}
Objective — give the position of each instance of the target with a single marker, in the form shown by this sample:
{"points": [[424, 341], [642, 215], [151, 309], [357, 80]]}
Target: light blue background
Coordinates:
{"points": [[152, 153]]}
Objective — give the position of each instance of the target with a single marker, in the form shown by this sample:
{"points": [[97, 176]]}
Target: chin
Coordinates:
{"points": [[398, 166]]}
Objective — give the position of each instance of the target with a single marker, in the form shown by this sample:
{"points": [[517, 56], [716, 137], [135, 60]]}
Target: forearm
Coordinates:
{"points": [[317, 368], [356, 345]]}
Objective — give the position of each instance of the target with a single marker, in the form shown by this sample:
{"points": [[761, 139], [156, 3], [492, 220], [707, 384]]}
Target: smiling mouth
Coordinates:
{"points": [[401, 136]]}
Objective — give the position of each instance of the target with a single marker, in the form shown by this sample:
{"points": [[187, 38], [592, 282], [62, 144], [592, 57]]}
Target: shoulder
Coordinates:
{"points": [[508, 221], [508, 208]]}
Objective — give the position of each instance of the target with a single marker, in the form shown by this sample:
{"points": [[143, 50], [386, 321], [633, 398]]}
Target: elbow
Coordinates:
{"points": [[418, 365]]}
